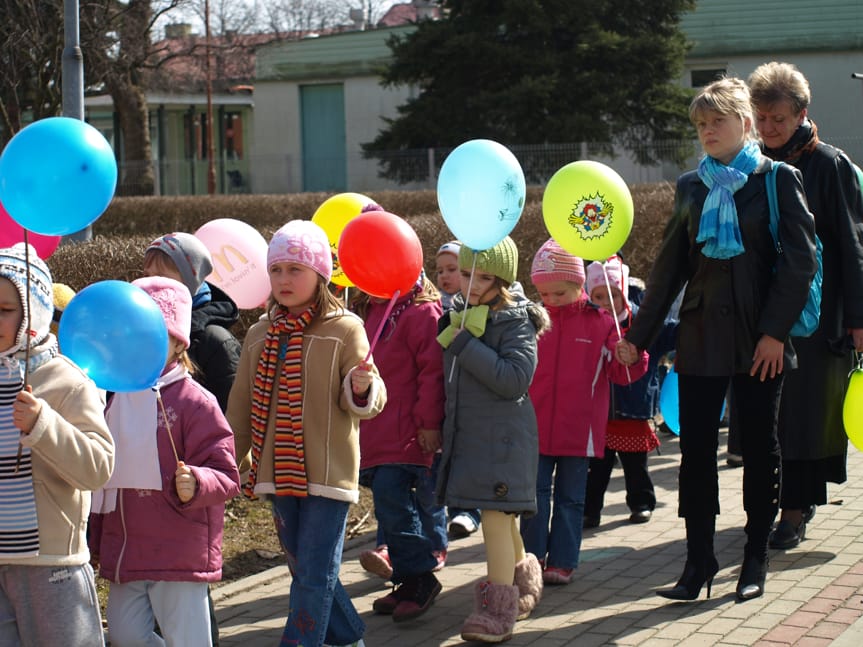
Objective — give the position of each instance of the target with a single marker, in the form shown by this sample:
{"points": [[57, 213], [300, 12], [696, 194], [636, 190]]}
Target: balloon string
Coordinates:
{"points": [[167, 424], [464, 318], [381, 325], [26, 331], [614, 316]]}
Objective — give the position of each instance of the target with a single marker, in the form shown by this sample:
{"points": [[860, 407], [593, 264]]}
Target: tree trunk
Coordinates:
{"points": [[137, 177]]}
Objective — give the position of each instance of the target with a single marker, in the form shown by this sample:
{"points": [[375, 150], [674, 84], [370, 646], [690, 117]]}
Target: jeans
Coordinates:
{"points": [[432, 514], [562, 545], [398, 517], [312, 532]]}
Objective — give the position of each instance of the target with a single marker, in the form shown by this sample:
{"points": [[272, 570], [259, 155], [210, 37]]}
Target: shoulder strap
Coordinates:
{"points": [[773, 203]]}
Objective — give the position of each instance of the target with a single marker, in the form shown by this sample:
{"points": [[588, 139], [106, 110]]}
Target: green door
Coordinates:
{"points": [[323, 122]]}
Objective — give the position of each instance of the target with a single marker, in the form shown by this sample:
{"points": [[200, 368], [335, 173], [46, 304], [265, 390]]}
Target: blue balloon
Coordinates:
{"points": [[116, 333], [669, 403], [481, 193], [57, 176]]}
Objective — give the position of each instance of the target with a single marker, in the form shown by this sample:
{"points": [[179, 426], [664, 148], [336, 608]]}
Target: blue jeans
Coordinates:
{"points": [[561, 546], [432, 515], [312, 532], [398, 517]]}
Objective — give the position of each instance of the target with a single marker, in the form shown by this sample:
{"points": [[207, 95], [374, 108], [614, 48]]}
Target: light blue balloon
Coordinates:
{"points": [[669, 402], [481, 193], [57, 176], [116, 333]]}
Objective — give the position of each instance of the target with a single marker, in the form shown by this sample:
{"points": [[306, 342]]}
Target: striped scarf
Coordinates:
{"points": [[289, 455]]}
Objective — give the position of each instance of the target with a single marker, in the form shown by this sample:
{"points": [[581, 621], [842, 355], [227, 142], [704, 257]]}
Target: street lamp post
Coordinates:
{"points": [[211, 149]]}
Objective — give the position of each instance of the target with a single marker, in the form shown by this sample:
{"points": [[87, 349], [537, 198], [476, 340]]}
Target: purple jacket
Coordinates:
{"points": [[151, 535], [410, 361], [570, 389]]}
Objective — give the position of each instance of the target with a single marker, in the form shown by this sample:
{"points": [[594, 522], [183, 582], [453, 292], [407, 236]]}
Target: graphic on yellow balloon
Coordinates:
{"points": [[334, 213], [588, 210], [852, 409]]}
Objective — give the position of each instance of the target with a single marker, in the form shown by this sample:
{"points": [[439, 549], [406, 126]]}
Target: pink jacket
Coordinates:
{"points": [[410, 361], [570, 390], [151, 535]]}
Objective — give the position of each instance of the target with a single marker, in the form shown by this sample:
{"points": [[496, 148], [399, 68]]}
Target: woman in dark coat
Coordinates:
{"points": [[811, 434], [740, 303]]}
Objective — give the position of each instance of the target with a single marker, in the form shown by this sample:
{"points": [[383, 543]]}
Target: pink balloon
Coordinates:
{"points": [[239, 260], [11, 233]]}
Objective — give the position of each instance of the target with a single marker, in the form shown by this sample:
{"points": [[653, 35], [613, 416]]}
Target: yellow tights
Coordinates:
{"points": [[503, 545]]}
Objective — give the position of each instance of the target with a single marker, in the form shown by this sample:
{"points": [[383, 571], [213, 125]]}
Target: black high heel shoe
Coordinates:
{"points": [[753, 573], [689, 585]]}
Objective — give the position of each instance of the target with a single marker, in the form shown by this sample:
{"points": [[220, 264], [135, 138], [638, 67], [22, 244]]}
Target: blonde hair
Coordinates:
{"points": [[774, 82], [507, 299], [161, 261], [324, 301], [727, 96]]}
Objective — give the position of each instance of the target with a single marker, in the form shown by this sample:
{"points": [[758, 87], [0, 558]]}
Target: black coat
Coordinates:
{"points": [[729, 304], [810, 421], [214, 350]]}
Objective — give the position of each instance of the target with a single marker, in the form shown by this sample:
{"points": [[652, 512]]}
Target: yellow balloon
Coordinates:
{"points": [[588, 209], [852, 409], [334, 213]]}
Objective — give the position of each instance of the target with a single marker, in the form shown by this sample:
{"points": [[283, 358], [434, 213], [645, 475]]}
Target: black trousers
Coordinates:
{"points": [[757, 405], [639, 487]]}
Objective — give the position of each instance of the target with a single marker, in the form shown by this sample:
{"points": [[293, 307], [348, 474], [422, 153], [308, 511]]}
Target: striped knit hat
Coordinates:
{"points": [[553, 263], [13, 266], [500, 260]]}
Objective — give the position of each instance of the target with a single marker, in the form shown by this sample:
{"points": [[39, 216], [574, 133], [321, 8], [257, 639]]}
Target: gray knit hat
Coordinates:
{"points": [[189, 254], [13, 266], [500, 260]]}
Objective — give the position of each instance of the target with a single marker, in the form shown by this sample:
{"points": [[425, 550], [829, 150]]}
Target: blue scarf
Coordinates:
{"points": [[719, 230]]}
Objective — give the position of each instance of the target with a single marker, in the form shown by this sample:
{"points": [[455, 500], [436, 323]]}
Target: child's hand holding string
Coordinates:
{"points": [[429, 440], [26, 410], [361, 379], [185, 482]]}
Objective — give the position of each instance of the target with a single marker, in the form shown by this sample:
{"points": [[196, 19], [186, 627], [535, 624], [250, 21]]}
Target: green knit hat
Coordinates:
{"points": [[500, 260]]}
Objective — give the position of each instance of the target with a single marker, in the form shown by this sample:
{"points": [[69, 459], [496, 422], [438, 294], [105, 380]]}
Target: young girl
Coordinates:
{"points": [[398, 446], [54, 449], [157, 526], [629, 434], [489, 439], [299, 432], [741, 300], [571, 394]]}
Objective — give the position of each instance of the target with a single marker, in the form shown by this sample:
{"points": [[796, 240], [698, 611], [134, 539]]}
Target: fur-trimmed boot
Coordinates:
{"points": [[528, 579], [493, 618]]}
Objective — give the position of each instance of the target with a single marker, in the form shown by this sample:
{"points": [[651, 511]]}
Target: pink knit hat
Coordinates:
{"points": [[618, 276], [553, 263], [305, 243], [175, 302]]}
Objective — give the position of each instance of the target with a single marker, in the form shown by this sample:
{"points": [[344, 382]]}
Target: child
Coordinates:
{"points": [[629, 434], [397, 447], [462, 522], [300, 433], [214, 349], [489, 437], [54, 449], [157, 525], [571, 394]]}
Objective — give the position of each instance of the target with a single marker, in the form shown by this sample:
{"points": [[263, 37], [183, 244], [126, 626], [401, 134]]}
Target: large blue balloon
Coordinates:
{"points": [[57, 176], [116, 333], [669, 402], [481, 193]]}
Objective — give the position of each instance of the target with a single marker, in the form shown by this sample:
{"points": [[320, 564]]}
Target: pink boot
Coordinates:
{"points": [[528, 579], [495, 609]]}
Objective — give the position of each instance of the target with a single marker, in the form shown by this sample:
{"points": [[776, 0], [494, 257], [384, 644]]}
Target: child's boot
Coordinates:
{"points": [[495, 610], [528, 579]]}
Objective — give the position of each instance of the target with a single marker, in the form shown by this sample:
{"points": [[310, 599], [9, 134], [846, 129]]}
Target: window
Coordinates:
{"points": [[700, 78]]}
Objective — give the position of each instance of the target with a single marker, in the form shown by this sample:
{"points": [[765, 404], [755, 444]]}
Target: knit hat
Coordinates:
{"points": [[13, 266], [63, 294], [500, 260], [189, 254], [175, 302], [553, 263], [302, 242], [618, 276], [452, 247]]}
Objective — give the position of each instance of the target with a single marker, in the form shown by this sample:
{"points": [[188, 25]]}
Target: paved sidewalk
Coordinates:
{"points": [[814, 593]]}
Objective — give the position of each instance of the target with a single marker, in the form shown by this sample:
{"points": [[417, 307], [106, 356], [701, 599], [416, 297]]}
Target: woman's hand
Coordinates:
{"points": [[768, 357]]}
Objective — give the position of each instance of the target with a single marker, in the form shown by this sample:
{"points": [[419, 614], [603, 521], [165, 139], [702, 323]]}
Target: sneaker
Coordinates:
{"points": [[440, 556], [555, 575], [462, 525], [734, 460], [377, 561], [417, 595]]}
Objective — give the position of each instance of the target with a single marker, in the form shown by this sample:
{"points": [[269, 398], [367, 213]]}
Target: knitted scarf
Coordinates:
{"points": [[804, 140], [289, 455], [719, 229]]}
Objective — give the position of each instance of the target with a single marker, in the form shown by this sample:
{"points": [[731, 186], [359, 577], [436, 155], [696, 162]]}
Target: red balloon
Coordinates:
{"points": [[11, 233], [381, 254]]}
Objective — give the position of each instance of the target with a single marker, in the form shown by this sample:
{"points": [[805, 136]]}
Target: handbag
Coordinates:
{"points": [[807, 322]]}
